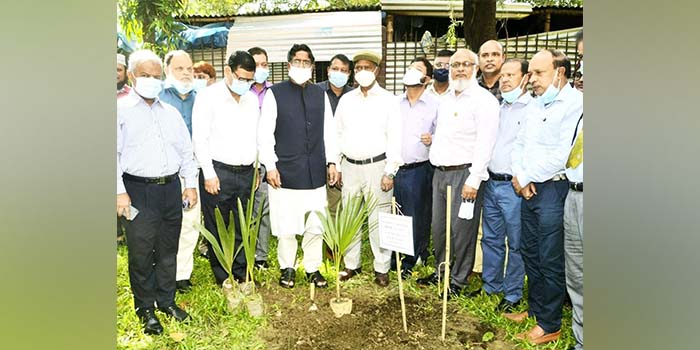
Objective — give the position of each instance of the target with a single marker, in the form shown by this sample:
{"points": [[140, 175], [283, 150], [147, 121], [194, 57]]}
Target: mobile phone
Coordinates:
{"points": [[133, 212]]}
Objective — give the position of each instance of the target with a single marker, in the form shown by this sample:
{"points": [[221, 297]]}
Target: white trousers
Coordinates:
{"points": [[367, 179], [292, 213], [188, 237]]}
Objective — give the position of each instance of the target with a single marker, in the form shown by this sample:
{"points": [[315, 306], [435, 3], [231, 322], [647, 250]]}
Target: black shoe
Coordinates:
{"points": [[262, 264], [506, 306], [175, 312], [183, 286], [431, 279], [151, 324], [381, 279], [287, 278], [453, 291], [406, 274]]}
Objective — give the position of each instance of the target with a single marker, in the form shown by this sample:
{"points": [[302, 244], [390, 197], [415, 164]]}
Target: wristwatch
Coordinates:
{"points": [[391, 176]]}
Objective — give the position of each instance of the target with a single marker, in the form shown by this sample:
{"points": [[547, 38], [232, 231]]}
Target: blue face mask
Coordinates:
{"points": [[512, 95], [240, 88], [441, 75], [552, 91], [338, 79], [261, 74]]}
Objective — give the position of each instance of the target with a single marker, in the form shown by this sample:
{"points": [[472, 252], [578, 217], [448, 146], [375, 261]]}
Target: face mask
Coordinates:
{"points": [[148, 87], [182, 88], [240, 88], [441, 75], [412, 77], [300, 75], [261, 75], [552, 91], [338, 79], [365, 78], [199, 84], [513, 95]]}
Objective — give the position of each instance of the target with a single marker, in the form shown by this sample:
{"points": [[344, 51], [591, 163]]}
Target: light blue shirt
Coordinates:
{"points": [[152, 141], [418, 119], [542, 147], [575, 174], [171, 96], [512, 116]]}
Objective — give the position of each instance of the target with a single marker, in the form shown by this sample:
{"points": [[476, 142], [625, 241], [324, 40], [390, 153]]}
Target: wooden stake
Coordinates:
{"points": [[446, 288], [398, 273]]}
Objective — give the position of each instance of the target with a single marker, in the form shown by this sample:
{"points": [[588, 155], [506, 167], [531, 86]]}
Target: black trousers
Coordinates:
{"points": [[234, 184], [152, 240]]}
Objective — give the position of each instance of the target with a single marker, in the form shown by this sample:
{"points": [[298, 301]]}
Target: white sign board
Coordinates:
{"points": [[396, 233]]}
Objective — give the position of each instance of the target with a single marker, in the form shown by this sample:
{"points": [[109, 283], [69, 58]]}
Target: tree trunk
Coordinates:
{"points": [[479, 22]]}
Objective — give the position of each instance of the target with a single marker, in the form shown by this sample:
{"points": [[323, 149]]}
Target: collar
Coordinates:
{"points": [[173, 91], [423, 96], [133, 99], [266, 86], [431, 86]]}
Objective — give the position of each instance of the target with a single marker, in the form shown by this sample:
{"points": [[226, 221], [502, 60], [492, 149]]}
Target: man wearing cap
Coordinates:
{"points": [[297, 144], [179, 91], [466, 131], [154, 152], [369, 133], [122, 87]]}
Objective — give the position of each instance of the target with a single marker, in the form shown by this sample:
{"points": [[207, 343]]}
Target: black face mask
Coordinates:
{"points": [[441, 75]]}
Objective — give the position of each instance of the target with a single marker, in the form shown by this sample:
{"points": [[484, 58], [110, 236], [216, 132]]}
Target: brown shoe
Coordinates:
{"points": [[381, 279], [537, 336], [516, 317], [347, 274]]}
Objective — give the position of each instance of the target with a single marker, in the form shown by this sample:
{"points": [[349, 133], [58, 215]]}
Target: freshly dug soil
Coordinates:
{"points": [[375, 321]]}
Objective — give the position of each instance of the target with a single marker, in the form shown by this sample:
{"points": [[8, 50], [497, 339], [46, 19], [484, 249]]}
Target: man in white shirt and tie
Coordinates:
{"points": [[539, 157], [224, 133], [466, 131], [369, 131]]}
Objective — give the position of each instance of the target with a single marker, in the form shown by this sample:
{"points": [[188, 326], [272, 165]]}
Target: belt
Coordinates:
{"points": [[151, 180], [231, 167], [500, 177], [453, 167], [368, 160], [576, 186], [413, 165], [557, 177]]}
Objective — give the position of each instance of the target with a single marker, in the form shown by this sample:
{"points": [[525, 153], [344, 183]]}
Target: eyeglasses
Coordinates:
{"points": [[242, 79], [465, 64], [301, 63]]}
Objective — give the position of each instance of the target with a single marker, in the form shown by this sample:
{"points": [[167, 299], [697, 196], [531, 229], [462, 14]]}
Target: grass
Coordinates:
{"points": [[213, 327]]}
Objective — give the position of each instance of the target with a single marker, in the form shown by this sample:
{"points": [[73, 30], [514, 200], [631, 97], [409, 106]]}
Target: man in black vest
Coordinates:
{"points": [[297, 145]]}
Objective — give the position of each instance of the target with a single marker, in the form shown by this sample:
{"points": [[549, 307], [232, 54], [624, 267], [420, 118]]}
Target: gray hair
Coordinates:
{"points": [[471, 53], [169, 56], [141, 56]]}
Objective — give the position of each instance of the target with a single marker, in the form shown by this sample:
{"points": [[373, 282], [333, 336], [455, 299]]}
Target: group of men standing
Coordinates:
{"points": [[500, 148]]}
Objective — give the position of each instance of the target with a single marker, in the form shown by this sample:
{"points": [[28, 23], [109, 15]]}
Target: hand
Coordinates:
{"points": [[516, 185], [426, 139], [339, 183], [123, 203], [532, 188], [468, 192], [273, 178], [387, 183], [190, 194], [333, 175], [526, 192], [212, 185]]}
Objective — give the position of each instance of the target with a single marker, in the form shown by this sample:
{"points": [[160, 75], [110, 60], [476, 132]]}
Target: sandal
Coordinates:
{"points": [[317, 279], [287, 278], [347, 274]]}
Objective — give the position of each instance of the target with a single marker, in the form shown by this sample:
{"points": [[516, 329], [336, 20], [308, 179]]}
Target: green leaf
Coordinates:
{"points": [[487, 337]]}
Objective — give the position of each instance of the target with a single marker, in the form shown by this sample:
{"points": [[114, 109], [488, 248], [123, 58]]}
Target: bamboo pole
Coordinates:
{"points": [[447, 260], [398, 273]]}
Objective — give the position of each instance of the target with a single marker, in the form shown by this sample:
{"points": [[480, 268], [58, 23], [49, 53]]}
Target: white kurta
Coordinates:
{"points": [[288, 210]]}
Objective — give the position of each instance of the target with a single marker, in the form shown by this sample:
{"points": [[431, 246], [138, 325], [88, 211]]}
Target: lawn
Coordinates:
{"points": [[375, 322]]}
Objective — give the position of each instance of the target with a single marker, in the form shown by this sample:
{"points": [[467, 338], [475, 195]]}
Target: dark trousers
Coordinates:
{"points": [[542, 250], [413, 191], [152, 240], [234, 184], [462, 232]]}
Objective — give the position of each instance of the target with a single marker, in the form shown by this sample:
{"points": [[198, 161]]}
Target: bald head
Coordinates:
{"points": [[491, 58], [545, 65]]}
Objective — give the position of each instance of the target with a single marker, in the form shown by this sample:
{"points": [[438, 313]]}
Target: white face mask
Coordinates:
{"points": [[148, 87], [181, 87], [200, 84], [300, 75], [365, 78], [412, 77]]}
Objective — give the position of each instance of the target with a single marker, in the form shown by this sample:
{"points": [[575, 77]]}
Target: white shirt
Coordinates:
{"points": [[466, 131], [430, 89], [575, 174], [268, 124], [511, 119], [223, 129], [543, 143], [370, 125], [152, 141]]}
